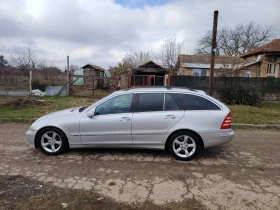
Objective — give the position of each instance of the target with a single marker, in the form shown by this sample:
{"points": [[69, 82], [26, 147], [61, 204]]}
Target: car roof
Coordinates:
{"points": [[162, 89]]}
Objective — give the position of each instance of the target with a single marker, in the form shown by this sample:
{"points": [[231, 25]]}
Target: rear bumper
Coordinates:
{"points": [[30, 137], [214, 139]]}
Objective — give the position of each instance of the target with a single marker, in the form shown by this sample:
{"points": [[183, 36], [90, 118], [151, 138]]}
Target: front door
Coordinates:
{"points": [[111, 123], [157, 113]]}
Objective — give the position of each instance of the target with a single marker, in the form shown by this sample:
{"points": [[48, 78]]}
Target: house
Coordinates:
{"points": [[199, 65], [265, 60], [149, 74], [93, 72]]}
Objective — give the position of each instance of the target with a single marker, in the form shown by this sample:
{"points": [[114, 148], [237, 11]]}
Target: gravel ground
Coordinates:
{"points": [[243, 174]]}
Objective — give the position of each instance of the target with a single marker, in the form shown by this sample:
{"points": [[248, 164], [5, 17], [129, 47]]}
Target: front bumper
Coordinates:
{"points": [[215, 139], [30, 137]]}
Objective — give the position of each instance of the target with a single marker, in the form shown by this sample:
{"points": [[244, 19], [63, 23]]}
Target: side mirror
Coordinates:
{"points": [[90, 114]]}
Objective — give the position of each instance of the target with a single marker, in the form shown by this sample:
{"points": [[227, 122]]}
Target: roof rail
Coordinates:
{"points": [[182, 88], [167, 87]]}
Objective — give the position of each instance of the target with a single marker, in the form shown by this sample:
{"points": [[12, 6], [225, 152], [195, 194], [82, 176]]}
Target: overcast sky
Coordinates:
{"points": [[102, 31]]}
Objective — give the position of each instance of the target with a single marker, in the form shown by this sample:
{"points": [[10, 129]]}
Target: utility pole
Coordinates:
{"points": [[67, 81], [213, 49]]}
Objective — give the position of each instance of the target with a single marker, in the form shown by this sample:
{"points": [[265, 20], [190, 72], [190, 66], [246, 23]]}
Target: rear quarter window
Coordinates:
{"points": [[193, 102]]}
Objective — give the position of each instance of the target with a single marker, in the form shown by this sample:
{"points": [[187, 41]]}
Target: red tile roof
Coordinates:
{"points": [[273, 46], [93, 66]]}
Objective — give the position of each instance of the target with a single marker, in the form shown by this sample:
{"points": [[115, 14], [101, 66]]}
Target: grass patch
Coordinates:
{"points": [[13, 113], [267, 113]]}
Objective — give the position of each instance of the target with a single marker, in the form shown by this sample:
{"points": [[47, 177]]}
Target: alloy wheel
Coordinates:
{"points": [[51, 141], [184, 146]]}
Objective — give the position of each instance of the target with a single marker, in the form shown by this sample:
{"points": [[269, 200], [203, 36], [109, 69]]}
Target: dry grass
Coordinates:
{"points": [[268, 113]]}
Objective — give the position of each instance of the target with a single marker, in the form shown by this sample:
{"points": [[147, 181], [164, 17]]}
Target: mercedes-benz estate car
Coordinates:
{"points": [[180, 120]]}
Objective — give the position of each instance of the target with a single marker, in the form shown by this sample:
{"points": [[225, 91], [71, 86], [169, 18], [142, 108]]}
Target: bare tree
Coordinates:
{"points": [[169, 52], [73, 68], [237, 40], [136, 59], [26, 59]]}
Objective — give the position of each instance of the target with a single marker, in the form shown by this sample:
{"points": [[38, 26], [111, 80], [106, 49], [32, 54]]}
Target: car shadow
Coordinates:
{"points": [[209, 153], [118, 151]]}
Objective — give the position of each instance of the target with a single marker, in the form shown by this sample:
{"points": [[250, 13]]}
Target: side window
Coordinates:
{"points": [[116, 105], [193, 102], [149, 102], [170, 103]]}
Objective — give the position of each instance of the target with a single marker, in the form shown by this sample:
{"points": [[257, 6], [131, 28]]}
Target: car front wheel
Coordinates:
{"points": [[52, 141], [184, 145]]}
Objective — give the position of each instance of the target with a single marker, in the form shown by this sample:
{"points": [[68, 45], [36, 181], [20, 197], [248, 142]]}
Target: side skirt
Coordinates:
{"points": [[128, 146]]}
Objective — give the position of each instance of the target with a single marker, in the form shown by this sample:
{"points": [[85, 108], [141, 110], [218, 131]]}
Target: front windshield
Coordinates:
{"points": [[99, 100]]}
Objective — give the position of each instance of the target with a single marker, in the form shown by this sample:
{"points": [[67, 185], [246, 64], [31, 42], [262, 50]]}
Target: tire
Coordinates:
{"points": [[52, 141], [184, 145]]}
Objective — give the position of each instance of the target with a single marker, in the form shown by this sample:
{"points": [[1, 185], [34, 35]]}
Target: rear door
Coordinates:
{"points": [[155, 114]]}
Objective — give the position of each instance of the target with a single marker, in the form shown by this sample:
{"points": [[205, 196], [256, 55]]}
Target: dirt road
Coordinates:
{"points": [[244, 174]]}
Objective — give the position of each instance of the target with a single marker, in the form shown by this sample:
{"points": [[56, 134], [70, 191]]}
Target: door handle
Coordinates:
{"points": [[125, 119], [170, 117]]}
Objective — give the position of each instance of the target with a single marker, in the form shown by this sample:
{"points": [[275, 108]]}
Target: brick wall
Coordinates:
{"points": [[185, 71], [263, 69]]}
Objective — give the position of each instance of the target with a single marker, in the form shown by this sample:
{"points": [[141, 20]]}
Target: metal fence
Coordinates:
{"points": [[264, 85]]}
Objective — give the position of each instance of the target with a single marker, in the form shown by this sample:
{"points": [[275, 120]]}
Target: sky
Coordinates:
{"points": [[101, 32]]}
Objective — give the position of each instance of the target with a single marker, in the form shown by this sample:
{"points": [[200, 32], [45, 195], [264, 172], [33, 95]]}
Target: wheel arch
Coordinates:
{"points": [[188, 130], [39, 131]]}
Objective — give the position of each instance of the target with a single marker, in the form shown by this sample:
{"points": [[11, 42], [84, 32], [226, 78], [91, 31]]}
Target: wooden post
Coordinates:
{"points": [[93, 80], [129, 81], [30, 81], [213, 48], [67, 75]]}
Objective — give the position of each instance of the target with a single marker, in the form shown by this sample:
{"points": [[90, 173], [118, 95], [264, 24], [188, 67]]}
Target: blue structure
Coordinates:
{"points": [[79, 81]]}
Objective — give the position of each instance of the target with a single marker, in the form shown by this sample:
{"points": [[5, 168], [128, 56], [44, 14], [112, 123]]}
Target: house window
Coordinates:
{"points": [[272, 69], [246, 73], [199, 72]]}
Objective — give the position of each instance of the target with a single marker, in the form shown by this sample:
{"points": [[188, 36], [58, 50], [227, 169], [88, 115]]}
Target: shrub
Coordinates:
{"points": [[241, 94], [36, 84]]}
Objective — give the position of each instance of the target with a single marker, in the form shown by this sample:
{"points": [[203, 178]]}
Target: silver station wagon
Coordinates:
{"points": [[182, 121]]}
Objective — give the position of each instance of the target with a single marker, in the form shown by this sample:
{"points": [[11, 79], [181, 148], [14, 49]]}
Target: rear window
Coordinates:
{"points": [[193, 102]]}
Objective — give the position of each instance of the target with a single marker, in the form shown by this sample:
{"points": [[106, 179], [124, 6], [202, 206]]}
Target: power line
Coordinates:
{"points": [[220, 17]]}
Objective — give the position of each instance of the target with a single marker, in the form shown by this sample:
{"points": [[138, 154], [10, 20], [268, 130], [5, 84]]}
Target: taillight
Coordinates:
{"points": [[227, 122]]}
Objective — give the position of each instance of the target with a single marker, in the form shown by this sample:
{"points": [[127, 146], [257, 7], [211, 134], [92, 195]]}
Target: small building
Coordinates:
{"points": [[149, 74], [93, 73], [199, 65], [264, 60]]}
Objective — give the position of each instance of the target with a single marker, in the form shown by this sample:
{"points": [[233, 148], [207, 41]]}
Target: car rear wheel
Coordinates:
{"points": [[52, 141], [184, 145]]}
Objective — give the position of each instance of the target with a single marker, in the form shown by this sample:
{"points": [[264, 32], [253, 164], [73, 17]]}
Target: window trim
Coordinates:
{"points": [[186, 108], [176, 101], [271, 69]]}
